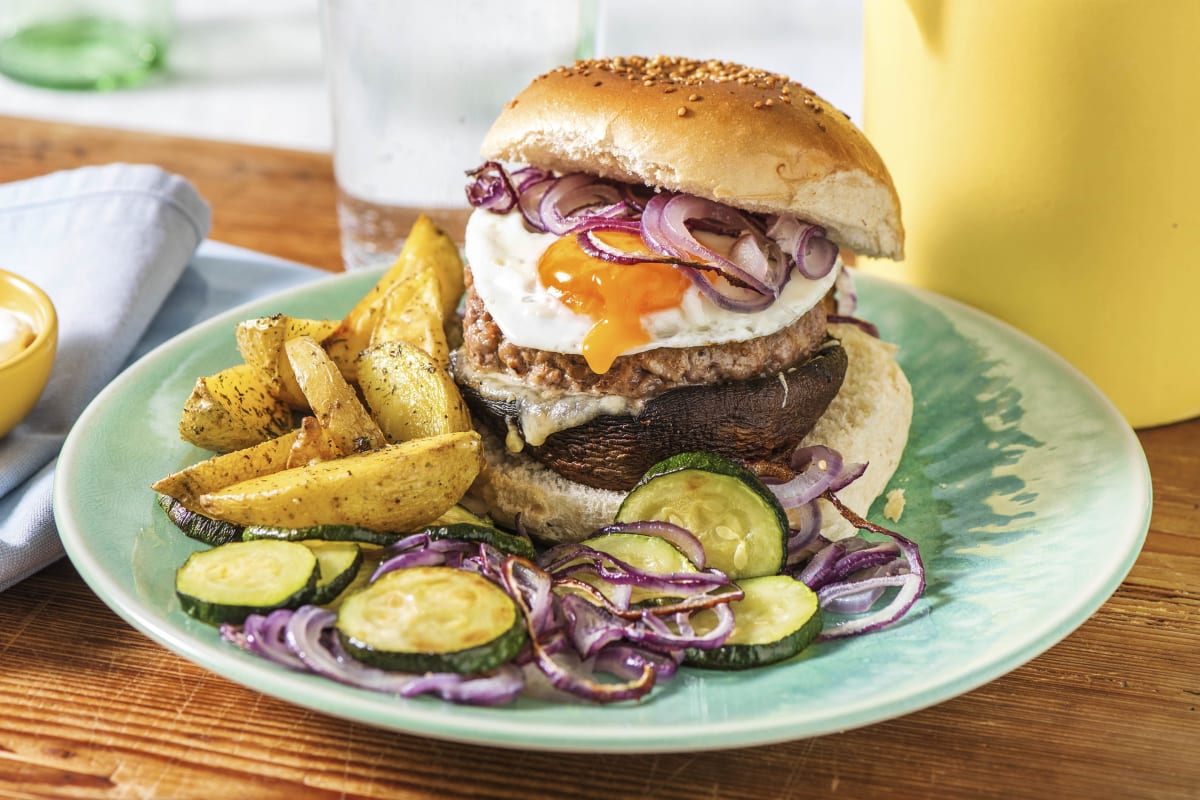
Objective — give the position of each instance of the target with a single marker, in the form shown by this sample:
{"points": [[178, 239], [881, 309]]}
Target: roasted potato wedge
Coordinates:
{"points": [[260, 341], [227, 469], [333, 401], [311, 445], [396, 488], [410, 395], [231, 410], [427, 245], [412, 312]]}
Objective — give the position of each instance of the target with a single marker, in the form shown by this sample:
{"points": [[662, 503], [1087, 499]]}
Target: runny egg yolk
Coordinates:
{"points": [[613, 296]]}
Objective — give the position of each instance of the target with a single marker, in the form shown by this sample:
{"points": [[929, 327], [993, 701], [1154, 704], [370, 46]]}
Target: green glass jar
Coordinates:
{"points": [[84, 44]]}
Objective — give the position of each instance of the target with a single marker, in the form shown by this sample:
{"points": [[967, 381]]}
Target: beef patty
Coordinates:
{"points": [[638, 375]]}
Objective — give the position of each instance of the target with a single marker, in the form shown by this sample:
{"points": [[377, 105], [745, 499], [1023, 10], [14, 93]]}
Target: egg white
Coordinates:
{"points": [[503, 257]]}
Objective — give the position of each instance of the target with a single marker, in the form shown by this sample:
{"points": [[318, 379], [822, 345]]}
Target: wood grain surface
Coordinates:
{"points": [[90, 708]]}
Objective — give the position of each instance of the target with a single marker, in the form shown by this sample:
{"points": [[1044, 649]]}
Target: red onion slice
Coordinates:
{"points": [[867, 327], [912, 583], [573, 199], [490, 188], [813, 254], [846, 291], [683, 539]]}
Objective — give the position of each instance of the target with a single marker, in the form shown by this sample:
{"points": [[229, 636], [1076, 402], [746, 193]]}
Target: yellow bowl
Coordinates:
{"points": [[23, 376]]}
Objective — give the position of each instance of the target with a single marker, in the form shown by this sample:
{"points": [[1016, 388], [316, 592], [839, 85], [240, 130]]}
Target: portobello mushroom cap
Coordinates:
{"points": [[755, 420]]}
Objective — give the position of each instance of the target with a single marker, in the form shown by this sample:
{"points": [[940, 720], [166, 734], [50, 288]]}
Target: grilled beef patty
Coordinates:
{"points": [[643, 375]]}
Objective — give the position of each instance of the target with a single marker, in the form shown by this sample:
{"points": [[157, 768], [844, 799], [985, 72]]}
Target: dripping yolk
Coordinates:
{"points": [[614, 296]]}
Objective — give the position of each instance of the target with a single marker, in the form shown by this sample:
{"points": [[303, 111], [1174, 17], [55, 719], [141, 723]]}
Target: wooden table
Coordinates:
{"points": [[90, 708]]}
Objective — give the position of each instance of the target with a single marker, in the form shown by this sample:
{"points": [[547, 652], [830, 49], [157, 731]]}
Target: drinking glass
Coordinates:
{"points": [[414, 87]]}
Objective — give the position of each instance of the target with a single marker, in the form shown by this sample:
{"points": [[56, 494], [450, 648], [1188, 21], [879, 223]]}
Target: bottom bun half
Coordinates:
{"points": [[867, 421]]}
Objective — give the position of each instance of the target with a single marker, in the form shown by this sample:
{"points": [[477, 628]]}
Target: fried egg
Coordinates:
{"points": [[545, 293]]}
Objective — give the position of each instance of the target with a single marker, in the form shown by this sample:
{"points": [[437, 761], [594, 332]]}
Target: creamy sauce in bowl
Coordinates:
{"points": [[16, 334]]}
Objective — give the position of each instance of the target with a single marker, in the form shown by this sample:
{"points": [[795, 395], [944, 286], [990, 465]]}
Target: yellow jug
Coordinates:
{"points": [[1047, 157]]}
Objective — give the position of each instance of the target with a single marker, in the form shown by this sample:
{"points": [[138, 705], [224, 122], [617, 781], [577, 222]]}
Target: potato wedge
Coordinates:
{"points": [[412, 313], [311, 445], [333, 401], [217, 472], [395, 488], [231, 410], [409, 395], [260, 341], [426, 244]]}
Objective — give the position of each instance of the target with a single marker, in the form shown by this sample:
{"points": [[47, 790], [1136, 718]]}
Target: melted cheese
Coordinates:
{"points": [[540, 414]]}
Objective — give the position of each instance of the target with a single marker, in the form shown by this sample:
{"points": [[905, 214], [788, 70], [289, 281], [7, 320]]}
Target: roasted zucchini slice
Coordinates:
{"points": [[743, 528], [197, 526], [233, 581], [503, 541], [778, 617], [328, 533], [339, 563], [431, 619]]}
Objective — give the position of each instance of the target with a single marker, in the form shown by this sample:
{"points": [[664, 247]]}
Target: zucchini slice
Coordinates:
{"points": [[778, 617], [339, 563], [503, 541], [648, 553], [329, 533], [431, 619], [197, 526], [742, 526], [233, 581], [459, 513]]}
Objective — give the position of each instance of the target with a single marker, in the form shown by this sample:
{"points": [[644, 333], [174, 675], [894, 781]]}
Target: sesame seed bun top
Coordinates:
{"points": [[740, 136]]}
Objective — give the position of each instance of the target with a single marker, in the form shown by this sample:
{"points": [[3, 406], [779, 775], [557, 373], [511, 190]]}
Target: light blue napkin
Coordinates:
{"points": [[112, 246]]}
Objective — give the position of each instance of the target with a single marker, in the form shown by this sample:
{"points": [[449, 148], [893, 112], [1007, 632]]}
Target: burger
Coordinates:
{"points": [[655, 266]]}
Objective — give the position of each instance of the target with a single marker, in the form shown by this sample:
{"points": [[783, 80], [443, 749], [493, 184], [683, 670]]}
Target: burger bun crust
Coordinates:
{"points": [[739, 136]]}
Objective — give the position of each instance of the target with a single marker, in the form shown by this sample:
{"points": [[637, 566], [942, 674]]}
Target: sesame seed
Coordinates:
{"points": [[768, 102], [694, 97], [758, 103], [681, 111]]}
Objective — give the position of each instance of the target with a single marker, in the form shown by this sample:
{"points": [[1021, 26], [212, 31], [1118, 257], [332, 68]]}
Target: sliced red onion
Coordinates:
{"points": [[425, 557], [265, 637], [581, 559], [846, 291], [758, 266], [860, 591], [309, 636], [591, 627], [573, 198], [525, 177], [627, 661], [656, 633], [683, 539], [867, 327], [805, 522], [813, 254], [498, 687], [533, 587], [818, 469], [912, 584], [563, 674], [530, 200], [491, 189]]}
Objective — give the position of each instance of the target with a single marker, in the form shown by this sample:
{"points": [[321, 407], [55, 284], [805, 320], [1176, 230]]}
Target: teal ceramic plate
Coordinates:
{"points": [[1028, 494]]}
